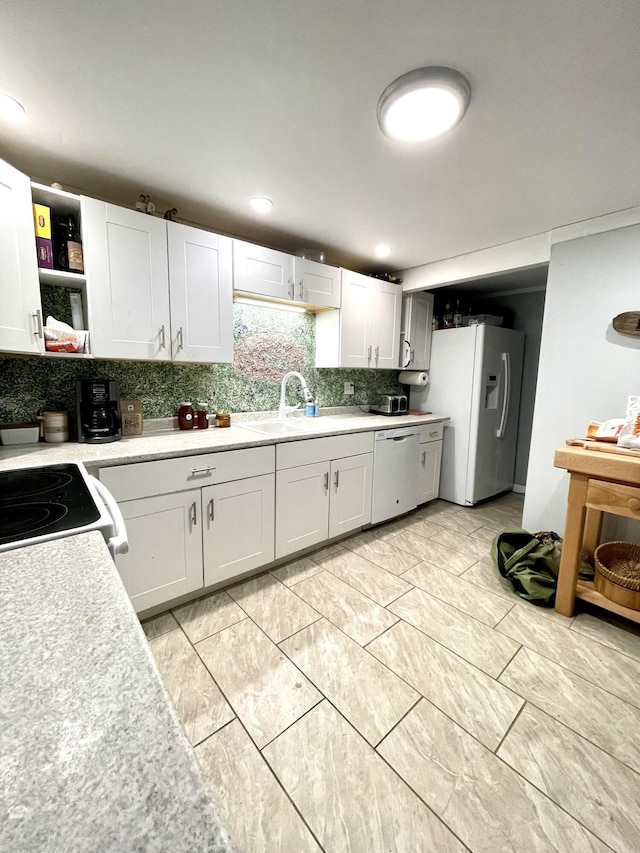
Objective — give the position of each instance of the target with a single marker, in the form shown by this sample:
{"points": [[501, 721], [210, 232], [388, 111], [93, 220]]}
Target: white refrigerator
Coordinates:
{"points": [[474, 377]]}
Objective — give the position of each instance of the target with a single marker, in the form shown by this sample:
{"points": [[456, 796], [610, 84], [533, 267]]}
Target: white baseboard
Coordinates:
{"points": [[518, 488]]}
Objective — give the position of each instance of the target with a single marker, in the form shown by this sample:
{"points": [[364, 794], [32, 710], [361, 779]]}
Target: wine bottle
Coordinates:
{"points": [[457, 316], [447, 317], [75, 262]]}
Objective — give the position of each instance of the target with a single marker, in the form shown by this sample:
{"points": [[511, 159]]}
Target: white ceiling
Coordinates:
{"points": [[206, 103]]}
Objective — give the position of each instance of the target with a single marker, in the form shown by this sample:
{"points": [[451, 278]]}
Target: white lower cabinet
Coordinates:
{"points": [[302, 507], [238, 527], [165, 548], [430, 459], [351, 484], [329, 496], [190, 523]]}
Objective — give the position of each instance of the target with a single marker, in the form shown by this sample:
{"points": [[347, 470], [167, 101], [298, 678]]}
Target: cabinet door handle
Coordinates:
{"points": [[634, 504], [203, 470], [424, 458], [211, 510], [377, 354], [37, 331], [326, 481], [193, 514], [180, 339], [291, 285], [163, 342], [301, 292], [369, 353], [337, 479]]}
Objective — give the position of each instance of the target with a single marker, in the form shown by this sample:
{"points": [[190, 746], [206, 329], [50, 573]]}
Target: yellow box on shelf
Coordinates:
{"points": [[42, 220]]}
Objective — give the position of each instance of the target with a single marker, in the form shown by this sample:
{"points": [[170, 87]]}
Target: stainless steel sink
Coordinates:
{"points": [[294, 426]]}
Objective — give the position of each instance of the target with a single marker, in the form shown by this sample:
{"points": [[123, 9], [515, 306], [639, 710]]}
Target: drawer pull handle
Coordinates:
{"points": [[433, 435], [634, 504], [203, 470]]}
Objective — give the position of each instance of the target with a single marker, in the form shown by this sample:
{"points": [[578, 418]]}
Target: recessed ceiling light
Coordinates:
{"points": [[382, 250], [11, 109], [261, 205], [423, 104]]}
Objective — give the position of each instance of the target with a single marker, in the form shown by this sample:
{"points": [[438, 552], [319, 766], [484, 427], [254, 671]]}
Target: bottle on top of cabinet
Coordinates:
{"points": [[447, 317], [457, 316]]}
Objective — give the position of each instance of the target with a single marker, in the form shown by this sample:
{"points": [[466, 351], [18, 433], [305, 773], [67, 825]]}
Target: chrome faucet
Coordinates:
{"points": [[308, 396]]}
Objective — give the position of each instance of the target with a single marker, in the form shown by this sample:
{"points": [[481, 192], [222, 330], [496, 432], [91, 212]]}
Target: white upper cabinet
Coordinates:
{"points": [[417, 320], [157, 290], [201, 295], [277, 275], [316, 284], [265, 272], [385, 336], [125, 256], [365, 332], [20, 308]]}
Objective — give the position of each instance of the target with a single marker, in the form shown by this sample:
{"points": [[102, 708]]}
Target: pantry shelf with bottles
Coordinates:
{"points": [[57, 221]]}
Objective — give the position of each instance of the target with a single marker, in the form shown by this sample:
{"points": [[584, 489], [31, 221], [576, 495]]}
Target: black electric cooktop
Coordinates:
{"points": [[41, 501]]}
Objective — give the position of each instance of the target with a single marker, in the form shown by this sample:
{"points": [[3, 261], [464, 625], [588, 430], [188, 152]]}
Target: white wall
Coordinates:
{"points": [[586, 370]]}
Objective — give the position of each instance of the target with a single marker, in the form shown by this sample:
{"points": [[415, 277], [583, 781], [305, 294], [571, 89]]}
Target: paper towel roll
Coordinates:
{"points": [[413, 377]]}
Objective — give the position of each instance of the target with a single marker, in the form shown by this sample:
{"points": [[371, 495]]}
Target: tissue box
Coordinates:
{"points": [[56, 340]]}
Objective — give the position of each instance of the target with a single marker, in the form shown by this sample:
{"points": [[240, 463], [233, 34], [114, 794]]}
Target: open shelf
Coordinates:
{"points": [[587, 592], [61, 278], [88, 355]]}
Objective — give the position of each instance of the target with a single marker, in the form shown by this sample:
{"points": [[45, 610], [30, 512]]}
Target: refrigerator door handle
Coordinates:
{"points": [[506, 363]]}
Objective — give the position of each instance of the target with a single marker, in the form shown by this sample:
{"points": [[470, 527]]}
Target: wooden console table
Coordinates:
{"points": [[600, 482]]}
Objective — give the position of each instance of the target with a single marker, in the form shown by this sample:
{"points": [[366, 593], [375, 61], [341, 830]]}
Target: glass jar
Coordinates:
{"points": [[223, 419], [185, 416], [202, 416]]}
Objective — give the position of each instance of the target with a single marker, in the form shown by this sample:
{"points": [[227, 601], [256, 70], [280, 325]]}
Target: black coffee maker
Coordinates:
{"points": [[98, 411]]}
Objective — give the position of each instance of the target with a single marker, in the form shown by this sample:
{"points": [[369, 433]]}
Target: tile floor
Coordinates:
{"points": [[391, 693]]}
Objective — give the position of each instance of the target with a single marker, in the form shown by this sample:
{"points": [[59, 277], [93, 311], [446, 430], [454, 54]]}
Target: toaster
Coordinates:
{"points": [[390, 404]]}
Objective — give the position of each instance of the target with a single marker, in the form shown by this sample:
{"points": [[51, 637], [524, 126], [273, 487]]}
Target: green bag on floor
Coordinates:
{"points": [[529, 563]]}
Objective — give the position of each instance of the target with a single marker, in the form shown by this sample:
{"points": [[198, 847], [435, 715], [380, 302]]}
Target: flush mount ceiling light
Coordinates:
{"points": [[261, 205], [11, 109], [423, 104], [382, 250]]}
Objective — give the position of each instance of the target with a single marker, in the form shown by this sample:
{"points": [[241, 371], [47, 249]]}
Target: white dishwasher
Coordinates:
{"points": [[395, 473]]}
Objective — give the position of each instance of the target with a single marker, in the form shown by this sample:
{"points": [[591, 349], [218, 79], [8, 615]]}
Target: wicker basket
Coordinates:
{"points": [[618, 572]]}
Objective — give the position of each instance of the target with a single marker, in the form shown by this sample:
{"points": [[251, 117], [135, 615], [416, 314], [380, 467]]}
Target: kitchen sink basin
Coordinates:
{"points": [[294, 426]]}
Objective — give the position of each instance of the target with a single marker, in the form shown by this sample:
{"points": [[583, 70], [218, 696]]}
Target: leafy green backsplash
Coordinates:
{"points": [[268, 342]]}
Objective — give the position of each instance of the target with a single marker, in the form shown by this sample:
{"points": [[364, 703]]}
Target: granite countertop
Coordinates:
{"points": [[92, 756], [191, 442]]}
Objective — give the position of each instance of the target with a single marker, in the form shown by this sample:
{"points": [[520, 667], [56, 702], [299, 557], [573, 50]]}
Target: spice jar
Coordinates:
{"points": [[185, 416], [223, 419], [202, 416]]}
